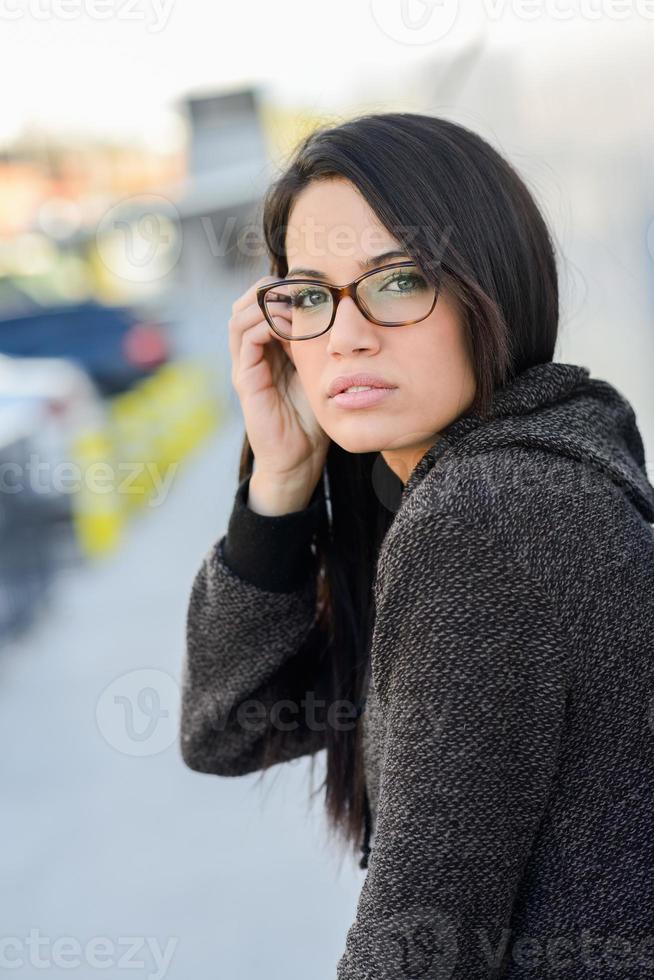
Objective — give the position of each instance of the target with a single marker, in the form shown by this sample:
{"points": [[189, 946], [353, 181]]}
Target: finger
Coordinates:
{"points": [[247, 318], [253, 342], [250, 295], [251, 316], [281, 309]]}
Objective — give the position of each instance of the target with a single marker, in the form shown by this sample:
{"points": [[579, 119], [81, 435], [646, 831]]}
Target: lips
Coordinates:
{"points": [[344, 381]]}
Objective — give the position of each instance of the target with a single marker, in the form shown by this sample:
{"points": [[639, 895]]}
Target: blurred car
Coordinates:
{"points": [[64, 402], [117, 345], [27, 547]]}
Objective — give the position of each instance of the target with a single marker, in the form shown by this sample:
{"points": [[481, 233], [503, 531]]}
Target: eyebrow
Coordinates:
{"points": [[364, 264]]}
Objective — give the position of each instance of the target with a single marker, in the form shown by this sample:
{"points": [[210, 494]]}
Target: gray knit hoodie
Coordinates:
{"points": [[509, 721]]}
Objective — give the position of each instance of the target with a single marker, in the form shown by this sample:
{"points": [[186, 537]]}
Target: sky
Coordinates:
{"points": [[116, 67]]}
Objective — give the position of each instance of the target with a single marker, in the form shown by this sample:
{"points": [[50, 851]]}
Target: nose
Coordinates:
{"points": [[351, 330]]}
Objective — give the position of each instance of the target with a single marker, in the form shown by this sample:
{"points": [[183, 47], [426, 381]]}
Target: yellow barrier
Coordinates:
{"points": [[151, 427], [97, 512]]}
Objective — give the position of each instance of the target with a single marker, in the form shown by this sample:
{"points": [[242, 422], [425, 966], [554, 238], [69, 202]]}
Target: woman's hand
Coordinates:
{"points": [[289, 445]]}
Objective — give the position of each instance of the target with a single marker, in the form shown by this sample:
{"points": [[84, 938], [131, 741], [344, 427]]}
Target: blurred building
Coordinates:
{"points": [[229, 168]]}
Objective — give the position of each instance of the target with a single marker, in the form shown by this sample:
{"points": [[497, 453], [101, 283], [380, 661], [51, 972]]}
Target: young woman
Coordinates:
{"points": [[443, 577]]}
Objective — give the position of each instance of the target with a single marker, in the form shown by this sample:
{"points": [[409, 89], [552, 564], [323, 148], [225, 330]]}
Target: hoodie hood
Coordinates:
{"points": [[560, 408]]}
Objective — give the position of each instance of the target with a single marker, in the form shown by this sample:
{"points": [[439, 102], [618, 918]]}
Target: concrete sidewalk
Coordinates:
{"points": [[105, 832]]}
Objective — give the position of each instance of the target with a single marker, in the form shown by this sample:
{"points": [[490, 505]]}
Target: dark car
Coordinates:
{"points": [[116, 345]]}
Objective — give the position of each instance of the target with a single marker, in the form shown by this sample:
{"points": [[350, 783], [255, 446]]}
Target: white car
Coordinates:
{"points": [[65, 401], [26, 543]]}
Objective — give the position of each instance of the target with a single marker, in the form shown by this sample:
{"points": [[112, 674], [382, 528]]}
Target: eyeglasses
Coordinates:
{"points": [[392, 295]]}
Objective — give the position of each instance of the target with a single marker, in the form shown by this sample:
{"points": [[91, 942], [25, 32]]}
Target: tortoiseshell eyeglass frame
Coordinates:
{"points": [[337, 293]]}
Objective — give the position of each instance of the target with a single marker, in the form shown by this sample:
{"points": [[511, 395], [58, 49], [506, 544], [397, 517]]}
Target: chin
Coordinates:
{"points": [[364, 441]]}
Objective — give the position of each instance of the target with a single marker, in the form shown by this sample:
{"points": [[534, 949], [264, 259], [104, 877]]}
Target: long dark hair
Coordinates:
{"points": [[466, 217]]}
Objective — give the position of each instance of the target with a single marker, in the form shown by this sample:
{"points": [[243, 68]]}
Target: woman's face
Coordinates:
{"points": [[331, 228]]}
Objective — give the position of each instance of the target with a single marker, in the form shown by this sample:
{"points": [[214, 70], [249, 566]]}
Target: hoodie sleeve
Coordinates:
{"points": [[272, 553], [470, 669], [250, 676]]}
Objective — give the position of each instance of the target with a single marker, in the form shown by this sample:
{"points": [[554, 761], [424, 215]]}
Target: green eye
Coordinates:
{"points": [[313, 298], [415, 282]]}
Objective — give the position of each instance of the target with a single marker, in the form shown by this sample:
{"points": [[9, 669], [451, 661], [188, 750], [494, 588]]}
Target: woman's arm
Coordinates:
{"points": [[253, 644], [471, 671]]}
